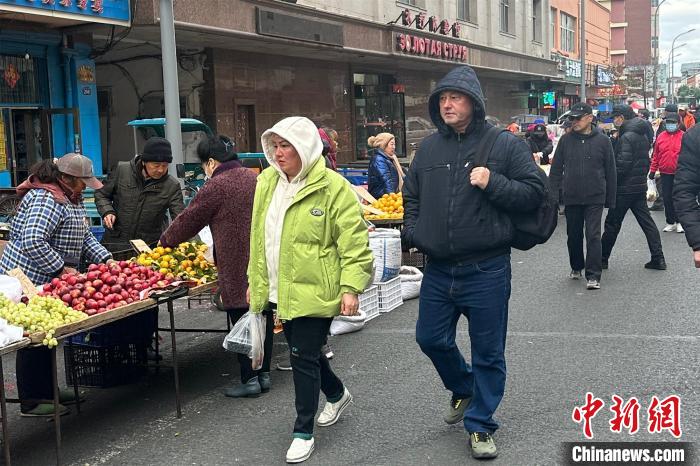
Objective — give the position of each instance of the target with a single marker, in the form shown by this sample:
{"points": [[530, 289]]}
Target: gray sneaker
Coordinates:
{"points": [[455, 413], [575, 274], [483, 446], [593, 285], [285, 365]]}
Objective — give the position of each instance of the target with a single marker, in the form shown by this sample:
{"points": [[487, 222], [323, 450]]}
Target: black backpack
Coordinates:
{"points": [[531, 228]]}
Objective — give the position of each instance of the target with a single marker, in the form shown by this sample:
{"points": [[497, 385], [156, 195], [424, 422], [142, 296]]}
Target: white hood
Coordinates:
{"points": [[303, 135]]}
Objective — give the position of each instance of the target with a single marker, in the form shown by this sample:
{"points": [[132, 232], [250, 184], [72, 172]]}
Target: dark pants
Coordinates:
{"points": [[34, 377], [480, 292], [244, 361], [659, 202], [613, 223], [310, 369], [590, 216], [667, 190]]}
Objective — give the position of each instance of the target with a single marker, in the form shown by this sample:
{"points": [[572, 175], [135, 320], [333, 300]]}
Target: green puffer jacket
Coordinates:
{"points": [[140, 206], [324, 250]]}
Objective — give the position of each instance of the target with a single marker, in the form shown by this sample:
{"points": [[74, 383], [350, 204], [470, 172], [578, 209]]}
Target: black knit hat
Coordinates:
{"points": [[157, 150], [624, 110]]}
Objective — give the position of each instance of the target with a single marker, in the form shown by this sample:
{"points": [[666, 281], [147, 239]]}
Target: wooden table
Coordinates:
{"points": [[11, 348]]}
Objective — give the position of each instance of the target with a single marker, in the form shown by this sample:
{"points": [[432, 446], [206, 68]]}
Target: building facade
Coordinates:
{"points": [[360, 67], [632, 27], [48, 98]]}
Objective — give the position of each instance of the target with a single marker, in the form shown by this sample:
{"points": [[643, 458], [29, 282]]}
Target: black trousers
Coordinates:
{"points": [[637, 203], [34, 377], [310, 369], [667, 192], [590, 216], [244, 361]]}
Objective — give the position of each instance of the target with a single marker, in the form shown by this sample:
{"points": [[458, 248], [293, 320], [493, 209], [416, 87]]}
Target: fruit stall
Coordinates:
{"points": [[75, 303]]}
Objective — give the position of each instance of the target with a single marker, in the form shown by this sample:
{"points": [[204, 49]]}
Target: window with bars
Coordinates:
{"points": [[507, 16], [568, 33], [22, 80], [415, 3], [537, 20], [466, 10]]}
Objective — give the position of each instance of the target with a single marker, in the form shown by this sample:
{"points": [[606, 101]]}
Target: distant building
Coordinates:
{"points": [[631, 26], [689, 69]]}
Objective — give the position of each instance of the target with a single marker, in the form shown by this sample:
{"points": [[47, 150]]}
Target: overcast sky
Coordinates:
{"points": [[675, 17]]}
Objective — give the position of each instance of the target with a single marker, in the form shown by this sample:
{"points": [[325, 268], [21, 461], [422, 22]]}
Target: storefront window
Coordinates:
{"points": [[20, 80], [379, 108]]}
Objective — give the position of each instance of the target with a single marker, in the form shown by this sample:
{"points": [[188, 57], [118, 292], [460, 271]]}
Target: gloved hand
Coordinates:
{"points": [[652, 175]]}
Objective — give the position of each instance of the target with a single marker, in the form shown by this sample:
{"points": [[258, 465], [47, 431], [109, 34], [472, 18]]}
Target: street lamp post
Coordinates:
{"points": [[656, 49], [673, 45], [669, 79]]}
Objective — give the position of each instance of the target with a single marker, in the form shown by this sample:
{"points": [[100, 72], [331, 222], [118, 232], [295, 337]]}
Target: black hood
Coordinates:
{"points": [[461, 79], [634, 125]]}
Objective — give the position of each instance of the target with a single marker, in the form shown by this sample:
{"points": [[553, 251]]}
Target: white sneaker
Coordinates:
{"points": [[332, 411], [670, 227], [679, 228], [300, 450]]}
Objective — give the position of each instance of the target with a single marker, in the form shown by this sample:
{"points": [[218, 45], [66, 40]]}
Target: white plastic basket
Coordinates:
{"points": [[389, 295], [369, 302]]}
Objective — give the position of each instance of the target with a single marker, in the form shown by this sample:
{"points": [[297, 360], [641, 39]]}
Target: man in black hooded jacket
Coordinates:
{"points": [[632, 164], [686, 189], [457, 214]]}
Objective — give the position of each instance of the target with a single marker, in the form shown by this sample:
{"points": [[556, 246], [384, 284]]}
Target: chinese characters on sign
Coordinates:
{"points": [[662, 415], [117, 11], [604, 76]]}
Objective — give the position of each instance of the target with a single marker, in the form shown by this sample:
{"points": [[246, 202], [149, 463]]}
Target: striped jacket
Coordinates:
{"points": [[46, 235]]}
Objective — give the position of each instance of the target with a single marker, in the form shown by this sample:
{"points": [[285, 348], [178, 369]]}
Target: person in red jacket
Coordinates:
{"points": [[665, 160], [225, 203], [687, 118]]}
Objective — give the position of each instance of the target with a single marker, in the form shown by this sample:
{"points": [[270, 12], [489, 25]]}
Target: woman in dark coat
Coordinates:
{"points": [[225, 203], [539, 142], [385, 175]]}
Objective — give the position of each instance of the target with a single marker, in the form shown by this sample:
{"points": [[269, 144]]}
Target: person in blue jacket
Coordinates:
{"points": [[385, 174]]}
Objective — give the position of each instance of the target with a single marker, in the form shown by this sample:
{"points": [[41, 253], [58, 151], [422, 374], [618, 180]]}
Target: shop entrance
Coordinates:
{"points": [[379, 108], [25, 138]]}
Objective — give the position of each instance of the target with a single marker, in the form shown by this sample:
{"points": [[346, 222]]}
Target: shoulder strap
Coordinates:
{"points": [[488, 138]]}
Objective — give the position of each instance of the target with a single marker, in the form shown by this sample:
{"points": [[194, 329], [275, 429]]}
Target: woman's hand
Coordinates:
{"points": [[247, 295], [349, 304]]}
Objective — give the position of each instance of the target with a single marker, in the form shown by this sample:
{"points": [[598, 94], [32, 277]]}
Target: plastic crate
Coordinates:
{"points": [[369, 302], [389, 295], [413, 259], [133, 329], [106, 366], [98, 232]]}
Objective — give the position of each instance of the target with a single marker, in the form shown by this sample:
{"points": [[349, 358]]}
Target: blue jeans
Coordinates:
{"points": [[480, 292]]}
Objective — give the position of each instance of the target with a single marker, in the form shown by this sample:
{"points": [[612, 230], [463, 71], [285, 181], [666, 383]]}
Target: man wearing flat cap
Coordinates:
{"points": [[137, 196]]}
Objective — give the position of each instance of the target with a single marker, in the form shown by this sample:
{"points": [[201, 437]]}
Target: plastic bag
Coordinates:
{"points": [[411, 280], [385, 244], [248, 337], [206, 237], [652, 193], [11, 288], [348, 324]]}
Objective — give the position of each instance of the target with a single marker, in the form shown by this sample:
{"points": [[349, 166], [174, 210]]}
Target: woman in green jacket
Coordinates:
{"points": [[309, 260]]}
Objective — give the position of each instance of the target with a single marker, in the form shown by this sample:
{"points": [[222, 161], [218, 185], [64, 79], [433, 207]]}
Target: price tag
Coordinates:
{"points": [[28, 287], [140, 246]]}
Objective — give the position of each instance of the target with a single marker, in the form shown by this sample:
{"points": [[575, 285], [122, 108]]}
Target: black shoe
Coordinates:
{"points": [[656, 264], [264, 379], [605, 263], [250, 389]]}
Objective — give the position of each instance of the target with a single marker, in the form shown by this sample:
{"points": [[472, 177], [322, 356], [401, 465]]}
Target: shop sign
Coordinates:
{"points": [[432, 23], [108, 11], [549, 100], [572, 68], [86, 74], [615, 90], [11, 75], [87, 90], [430, 48], [604, 76]]}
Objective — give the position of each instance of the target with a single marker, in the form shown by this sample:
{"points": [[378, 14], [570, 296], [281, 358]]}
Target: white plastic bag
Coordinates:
{"points": [[205, 236], [411, 280], [348, 324], [248, 337], [11, 288], [652, 193], [385, 244]]}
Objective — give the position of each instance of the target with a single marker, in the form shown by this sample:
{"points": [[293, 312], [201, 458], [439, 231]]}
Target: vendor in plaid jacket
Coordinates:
{"points": [[49, 237]]}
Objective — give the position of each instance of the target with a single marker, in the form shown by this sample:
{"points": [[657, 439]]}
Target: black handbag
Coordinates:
{"points": [[533, 227]]}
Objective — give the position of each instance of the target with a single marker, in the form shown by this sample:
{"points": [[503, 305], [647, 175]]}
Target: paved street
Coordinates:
{"points": [[638, 336]]}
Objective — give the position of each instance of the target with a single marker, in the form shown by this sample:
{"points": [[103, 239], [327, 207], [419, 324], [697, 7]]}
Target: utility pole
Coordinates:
{"points": [[656, 49], [582, 49], [171, 88]]}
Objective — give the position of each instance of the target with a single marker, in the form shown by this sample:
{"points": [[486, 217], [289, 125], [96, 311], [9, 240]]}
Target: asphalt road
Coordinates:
{"points": [[638, 336]]}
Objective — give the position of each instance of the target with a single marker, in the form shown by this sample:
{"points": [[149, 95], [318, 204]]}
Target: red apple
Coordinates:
{"points": [[129, 300], [116, 289], [71, 280], [81, 278], [128, 272], [92, 275], [67, 298], [104, 289], [98, 295], [47, 287], [91, 304], [75, 293], [103, 268], [97, 283], [65, 276], [85, 294], [111, 280], [124, 294], [101, 303], [90, 312], [93, 267]]}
